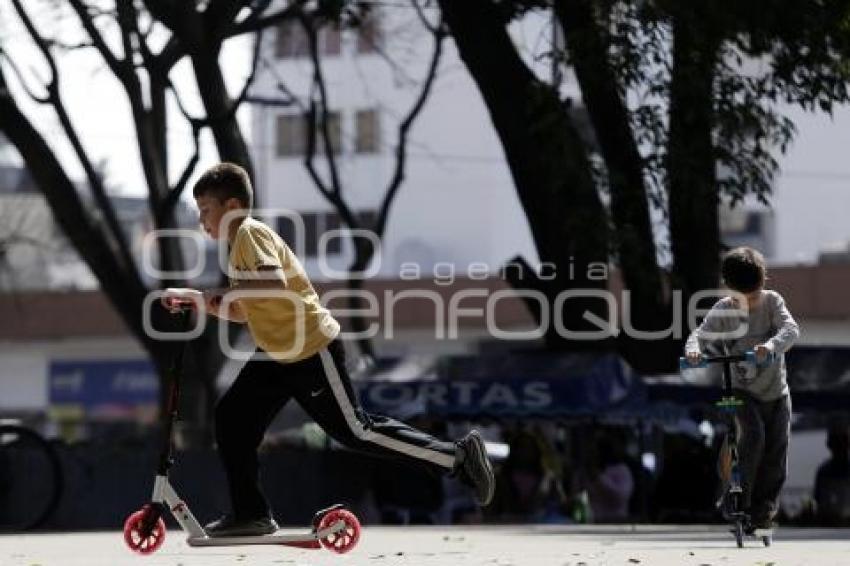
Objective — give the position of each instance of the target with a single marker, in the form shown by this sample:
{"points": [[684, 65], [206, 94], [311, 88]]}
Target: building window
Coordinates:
{"points": [[369, 33], [741, 222], [292, 41], [330, 41], [368, 132], [292, 135], [334, 132], [316, 224]]}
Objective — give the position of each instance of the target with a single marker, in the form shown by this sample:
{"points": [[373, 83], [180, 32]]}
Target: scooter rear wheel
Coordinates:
{"points": [[144, 531], [344, 540]]}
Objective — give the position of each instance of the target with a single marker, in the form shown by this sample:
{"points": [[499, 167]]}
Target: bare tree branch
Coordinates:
{"points": [[193, 120], [171, 53], [122, 69], [150, 122], [174, 193], [164, 11], [320, 86], [332, 196], [193, 35], [255, 61], [243, 94], [68, 47], [310, 153], [420, 13], [439, 32], [256, 21], [269, 101], [15, 69], [188, 170], [84, 233], [117, 237], [197, 122], [281, 86], [127, 24], [219, 16], [400, 74], [130, 22]]}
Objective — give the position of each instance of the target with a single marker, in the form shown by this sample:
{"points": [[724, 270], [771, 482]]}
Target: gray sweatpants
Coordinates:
{"points": [[763, 453]]}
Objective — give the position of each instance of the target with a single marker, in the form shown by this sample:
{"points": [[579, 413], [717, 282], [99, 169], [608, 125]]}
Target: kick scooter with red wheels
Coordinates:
{"points": [[334, 528], [731, 500]]}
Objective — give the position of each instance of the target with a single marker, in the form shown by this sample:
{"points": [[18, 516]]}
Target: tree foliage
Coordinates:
{"points": [[686, 102]]}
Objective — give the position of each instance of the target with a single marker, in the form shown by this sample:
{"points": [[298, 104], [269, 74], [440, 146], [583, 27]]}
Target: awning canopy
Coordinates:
{"points": [[510, 385], [548, 384]]}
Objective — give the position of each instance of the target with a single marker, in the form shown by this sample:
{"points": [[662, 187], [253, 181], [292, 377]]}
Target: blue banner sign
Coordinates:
{"points": [[94, 384], [588, 388]]}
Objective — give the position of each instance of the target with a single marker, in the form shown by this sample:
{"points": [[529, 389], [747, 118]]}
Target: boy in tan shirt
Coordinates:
{"points": [[299, 356]]}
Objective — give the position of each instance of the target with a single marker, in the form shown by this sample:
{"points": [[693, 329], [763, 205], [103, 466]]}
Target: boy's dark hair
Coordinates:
{"points": [[225, 181], [744, 270]]}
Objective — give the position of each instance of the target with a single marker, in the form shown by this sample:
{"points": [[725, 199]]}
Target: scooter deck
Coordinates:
{"points": [[289, 537], [302, 539], [307, 540]]}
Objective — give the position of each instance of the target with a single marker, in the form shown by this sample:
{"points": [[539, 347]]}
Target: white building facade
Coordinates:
{"points": [[457, 205]]}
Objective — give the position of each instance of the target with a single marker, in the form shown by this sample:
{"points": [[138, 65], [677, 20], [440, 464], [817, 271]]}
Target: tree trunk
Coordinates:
{"points": [[649, 307], [548, 162], [124, 290], [692, 186], [219, 108], [363, 254], [634, 241], [69, 211]]}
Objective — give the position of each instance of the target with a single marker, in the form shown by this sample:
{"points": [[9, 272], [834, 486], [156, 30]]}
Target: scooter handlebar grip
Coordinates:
{"points": [[768, 360]]}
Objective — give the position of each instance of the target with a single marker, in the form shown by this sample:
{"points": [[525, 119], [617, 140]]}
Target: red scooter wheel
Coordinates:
{"points": [[143, 532], [344, 540]]}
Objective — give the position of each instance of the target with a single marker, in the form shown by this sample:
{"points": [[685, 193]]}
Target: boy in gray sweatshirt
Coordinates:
{"points": [[754, 319]]}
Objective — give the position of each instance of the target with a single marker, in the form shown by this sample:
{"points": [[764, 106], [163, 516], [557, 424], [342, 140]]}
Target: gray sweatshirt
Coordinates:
{"points": [[770, 323]]}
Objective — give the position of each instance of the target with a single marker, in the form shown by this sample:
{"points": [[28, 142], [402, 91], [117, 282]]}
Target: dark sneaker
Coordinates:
{"points": [[758, 524], [229, 526], [473, 467], [765, 525]]}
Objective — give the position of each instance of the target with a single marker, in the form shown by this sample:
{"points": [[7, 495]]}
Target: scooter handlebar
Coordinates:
{"points": [[749, 357], [768, 360]]}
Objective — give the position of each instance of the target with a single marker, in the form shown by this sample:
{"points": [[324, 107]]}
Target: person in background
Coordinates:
{"points": [[832, 482], [613, 485]]}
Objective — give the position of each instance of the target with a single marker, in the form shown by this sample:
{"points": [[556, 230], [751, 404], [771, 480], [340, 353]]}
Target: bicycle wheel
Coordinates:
{"points": [[30, 479]]}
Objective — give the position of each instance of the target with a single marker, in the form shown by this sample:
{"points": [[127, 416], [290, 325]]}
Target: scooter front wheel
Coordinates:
{"points": [[344, 540], [144, 530]]}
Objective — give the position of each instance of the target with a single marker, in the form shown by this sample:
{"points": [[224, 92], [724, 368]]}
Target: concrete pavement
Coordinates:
{"points": [[458, 546]]}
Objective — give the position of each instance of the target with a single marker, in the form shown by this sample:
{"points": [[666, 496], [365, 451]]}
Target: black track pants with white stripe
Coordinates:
{"points": [[320, 384]]}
